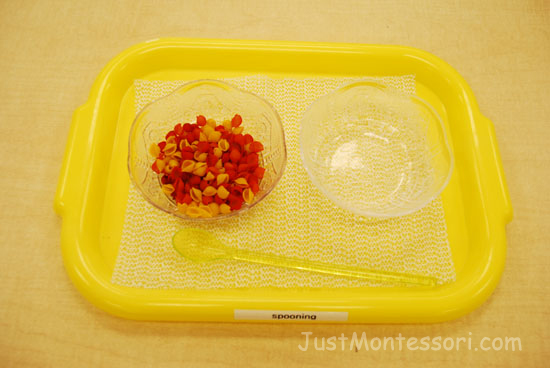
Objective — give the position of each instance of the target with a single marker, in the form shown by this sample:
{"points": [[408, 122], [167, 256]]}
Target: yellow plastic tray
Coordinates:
{"points": [[93, 186]]}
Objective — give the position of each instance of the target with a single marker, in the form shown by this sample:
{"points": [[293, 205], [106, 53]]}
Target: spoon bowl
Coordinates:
{"points": [[199, 245]]}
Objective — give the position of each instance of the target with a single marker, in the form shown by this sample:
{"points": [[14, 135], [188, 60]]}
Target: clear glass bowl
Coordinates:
{"points": [[213, 99], [375, 150]]}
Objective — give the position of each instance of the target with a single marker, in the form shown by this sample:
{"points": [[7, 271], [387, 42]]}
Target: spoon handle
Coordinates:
{"points": [[331, 269]]}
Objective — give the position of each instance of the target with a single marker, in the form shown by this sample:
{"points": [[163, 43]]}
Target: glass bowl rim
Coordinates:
{"points": [[382, 86]]}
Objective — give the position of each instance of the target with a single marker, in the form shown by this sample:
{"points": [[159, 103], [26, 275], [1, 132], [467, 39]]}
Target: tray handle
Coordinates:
{"points": [[493, 163], [74, 157]]}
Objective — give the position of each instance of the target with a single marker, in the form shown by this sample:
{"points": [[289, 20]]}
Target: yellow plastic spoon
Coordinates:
{"points": [[202, 246]]}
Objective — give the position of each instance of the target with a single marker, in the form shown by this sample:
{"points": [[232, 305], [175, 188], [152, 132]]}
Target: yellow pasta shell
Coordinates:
{"points": [[205, 212], [222, 192], [248, 195], [188, 166], [154, 150], [209, 191], [193, 211], [168, 188], [222, 179], [172, 164], [207, 129], [170, 148], [223, 144], [160, 164], [214, 136], [200, 156], [241, 182], [227, 125], [196, 194], [224, 208], [182, 207], [214, 208], [209, 176], [200, 169]]}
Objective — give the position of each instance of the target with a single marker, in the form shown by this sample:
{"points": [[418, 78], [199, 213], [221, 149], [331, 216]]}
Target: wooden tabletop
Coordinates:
{"points": [[50, 53]]}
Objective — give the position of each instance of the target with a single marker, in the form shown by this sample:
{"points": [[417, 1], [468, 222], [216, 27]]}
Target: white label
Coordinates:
{"points": [[286, 315]]}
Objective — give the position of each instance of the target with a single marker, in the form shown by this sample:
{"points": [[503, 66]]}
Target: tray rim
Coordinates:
{"points": [[82, 266]]}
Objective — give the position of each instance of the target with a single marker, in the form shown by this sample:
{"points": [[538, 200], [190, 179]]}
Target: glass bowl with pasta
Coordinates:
{"points": [[206, 151]]}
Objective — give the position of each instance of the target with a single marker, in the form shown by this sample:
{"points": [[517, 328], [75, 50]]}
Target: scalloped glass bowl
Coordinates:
{"points": [[375, 150], [213, 99]]}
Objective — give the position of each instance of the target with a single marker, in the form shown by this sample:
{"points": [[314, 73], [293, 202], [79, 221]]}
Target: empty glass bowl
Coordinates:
{"points": [[375, 150], [213, 99]]}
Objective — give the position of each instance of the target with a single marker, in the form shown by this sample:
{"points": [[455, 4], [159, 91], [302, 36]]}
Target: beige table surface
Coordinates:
{"points": [[50, 53]]}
